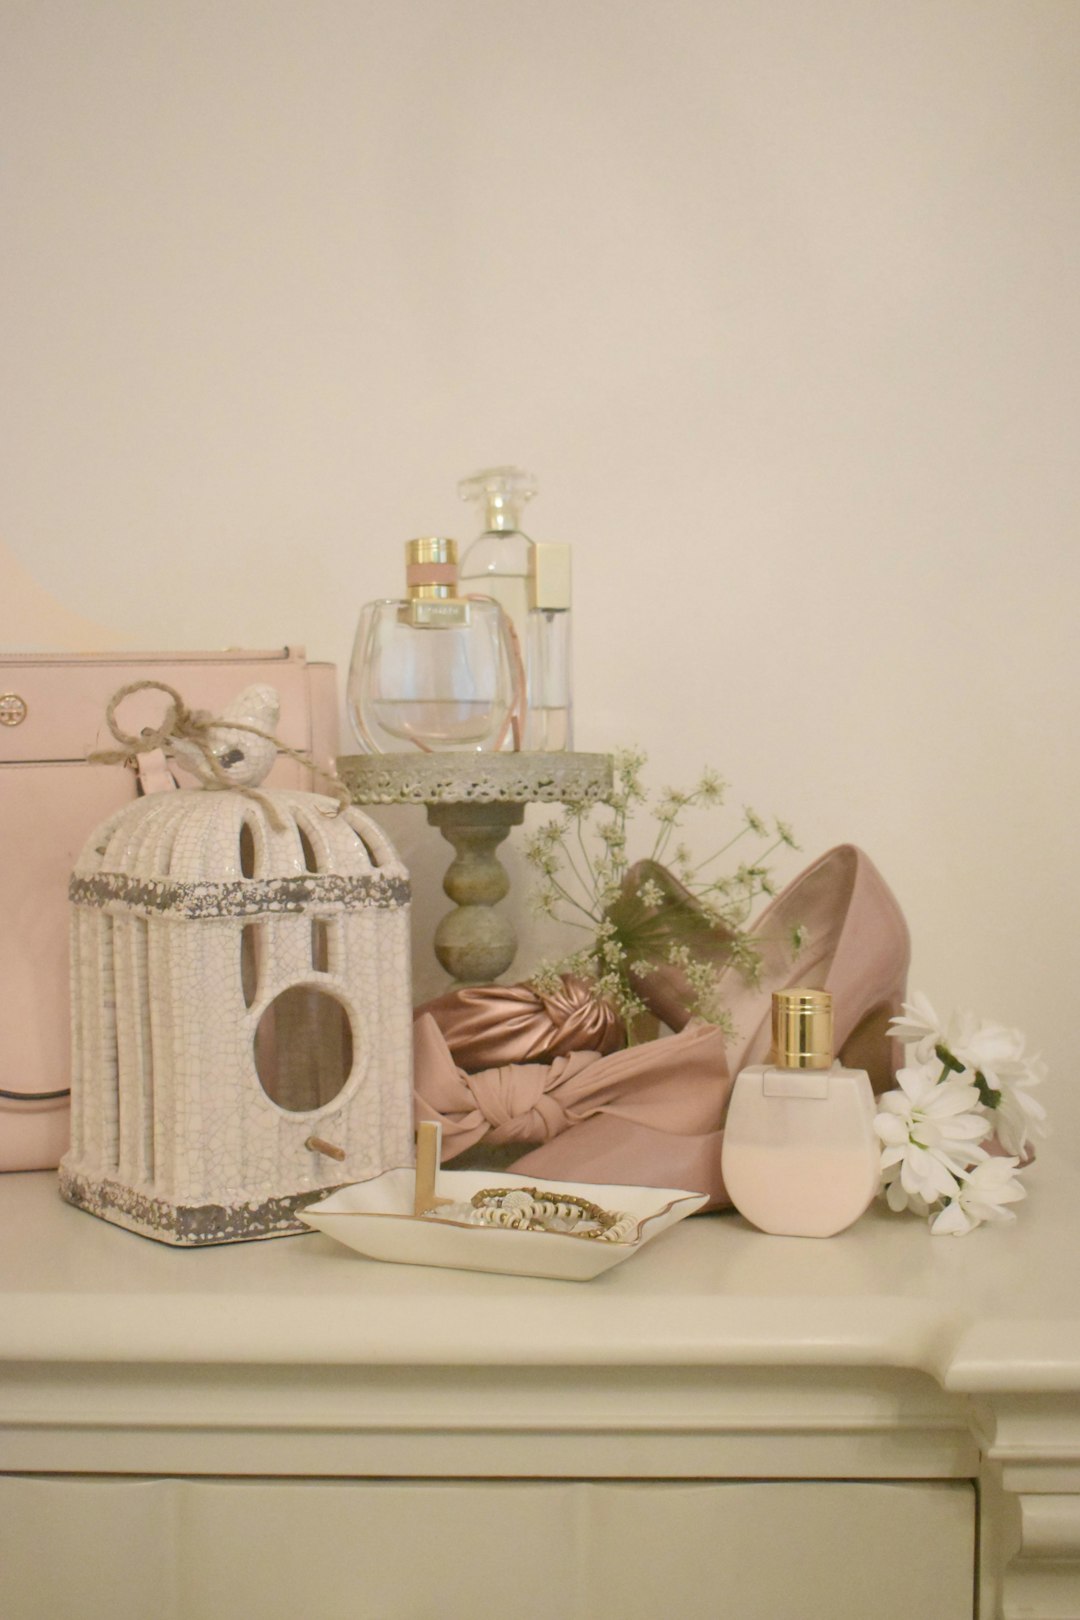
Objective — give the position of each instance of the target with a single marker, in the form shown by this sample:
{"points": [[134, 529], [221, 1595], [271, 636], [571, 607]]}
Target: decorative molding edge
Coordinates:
{"points": [[1031, 1493]]}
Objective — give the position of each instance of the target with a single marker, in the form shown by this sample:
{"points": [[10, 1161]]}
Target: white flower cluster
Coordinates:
{"points": [[965, 1083]]}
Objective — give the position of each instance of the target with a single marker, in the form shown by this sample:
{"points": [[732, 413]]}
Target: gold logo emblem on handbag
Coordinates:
{"points": [[13, 710]]}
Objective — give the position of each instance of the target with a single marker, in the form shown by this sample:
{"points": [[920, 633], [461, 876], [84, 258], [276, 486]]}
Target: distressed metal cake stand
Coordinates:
{"points": [[474, 800]]}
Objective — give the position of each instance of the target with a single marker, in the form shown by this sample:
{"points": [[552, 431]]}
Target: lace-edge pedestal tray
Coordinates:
{"points": [[476, 778], [474, 800]]}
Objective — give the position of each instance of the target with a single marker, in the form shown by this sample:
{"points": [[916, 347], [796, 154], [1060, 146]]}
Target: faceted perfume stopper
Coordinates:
{"points": [[503, 491]]}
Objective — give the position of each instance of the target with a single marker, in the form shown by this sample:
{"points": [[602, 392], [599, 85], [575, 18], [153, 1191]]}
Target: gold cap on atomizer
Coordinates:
{"points": [[802, 1027]]}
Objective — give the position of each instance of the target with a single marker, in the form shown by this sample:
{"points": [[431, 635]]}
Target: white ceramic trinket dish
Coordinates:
{"points": [[376, 1219]]}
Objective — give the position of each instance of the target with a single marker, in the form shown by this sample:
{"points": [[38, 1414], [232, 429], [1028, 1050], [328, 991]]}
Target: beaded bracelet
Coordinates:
{"points": [[525, 1209]]}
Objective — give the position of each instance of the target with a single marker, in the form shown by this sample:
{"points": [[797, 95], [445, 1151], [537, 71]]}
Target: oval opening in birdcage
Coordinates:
{"points": [[303, 1048]]}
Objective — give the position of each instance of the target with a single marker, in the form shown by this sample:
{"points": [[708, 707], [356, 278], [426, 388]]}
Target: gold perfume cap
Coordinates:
{"points": [[431, 568], [431, 548], [802, 1026], [549, 576]]}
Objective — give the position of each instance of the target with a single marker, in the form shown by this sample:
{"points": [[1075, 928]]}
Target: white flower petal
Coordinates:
{"points": [[895, 1196], [963, 1128], [891, 1129], [990, 1044], [938, 1179], [952, 1221], [995, 1172], [913, 1169], [916, 1083], [950, 1097], [917, 1022], [984, 1190]]}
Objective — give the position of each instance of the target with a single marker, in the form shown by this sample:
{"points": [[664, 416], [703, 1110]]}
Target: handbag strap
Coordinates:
{"points": [[34, 1096]]}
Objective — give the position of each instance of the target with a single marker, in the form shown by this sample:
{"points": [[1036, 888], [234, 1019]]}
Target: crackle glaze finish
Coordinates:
{"points": [[192, 914]]}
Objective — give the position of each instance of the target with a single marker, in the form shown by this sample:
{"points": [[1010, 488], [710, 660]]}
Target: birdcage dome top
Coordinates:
{"points": [[206, 853]]}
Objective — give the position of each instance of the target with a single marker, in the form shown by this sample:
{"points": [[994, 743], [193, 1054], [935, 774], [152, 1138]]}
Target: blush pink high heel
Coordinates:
{"points": [[855, 944]]}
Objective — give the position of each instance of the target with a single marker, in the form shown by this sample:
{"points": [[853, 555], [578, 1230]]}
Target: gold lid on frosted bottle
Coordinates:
{"points": [[802, 1027]]}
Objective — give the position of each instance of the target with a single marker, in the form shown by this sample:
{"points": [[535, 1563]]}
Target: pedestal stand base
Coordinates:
{"points": [[474, 800]]}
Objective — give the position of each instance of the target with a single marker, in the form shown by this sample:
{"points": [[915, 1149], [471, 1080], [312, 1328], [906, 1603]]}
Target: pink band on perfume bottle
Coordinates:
{"points": [[431, 574]]}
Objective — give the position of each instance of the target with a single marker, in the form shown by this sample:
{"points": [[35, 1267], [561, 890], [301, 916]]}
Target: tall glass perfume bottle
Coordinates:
{"points": [[531, 581], [497, 562], [434, 671], [800, 1157]]}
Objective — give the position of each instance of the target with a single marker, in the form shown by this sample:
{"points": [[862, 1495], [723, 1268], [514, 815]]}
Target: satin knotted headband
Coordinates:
{"points": [[649, 1115], [488, 1024]]}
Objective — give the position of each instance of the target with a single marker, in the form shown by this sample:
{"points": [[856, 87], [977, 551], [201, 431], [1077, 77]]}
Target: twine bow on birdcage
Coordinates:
{"points": [[204, 742]]}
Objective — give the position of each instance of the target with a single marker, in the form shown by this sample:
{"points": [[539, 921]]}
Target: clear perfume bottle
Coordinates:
{"points": [[800, 1156], [434, 671], [497, 563], [548, 709], [531, 582]]}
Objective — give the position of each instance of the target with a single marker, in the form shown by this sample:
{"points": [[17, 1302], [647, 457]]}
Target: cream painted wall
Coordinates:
{"points": [[779, 297]]}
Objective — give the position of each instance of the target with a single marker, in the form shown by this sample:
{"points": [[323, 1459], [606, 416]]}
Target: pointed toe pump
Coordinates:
{"points": [[854, 943]]}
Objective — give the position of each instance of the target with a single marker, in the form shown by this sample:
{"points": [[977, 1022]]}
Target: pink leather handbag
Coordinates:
{"points": [[52, 709]]}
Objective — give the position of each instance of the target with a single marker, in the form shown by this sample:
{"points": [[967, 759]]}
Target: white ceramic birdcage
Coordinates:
{"points": [[241, 1013]]}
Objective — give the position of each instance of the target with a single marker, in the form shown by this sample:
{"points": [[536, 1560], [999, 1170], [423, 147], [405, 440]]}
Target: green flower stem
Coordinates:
{"points": [[564, 846], [669, 825], [590, 868], [724, 849], [619, 863], [987, 1095], [663, 837], [569, 898], [781, 843]]}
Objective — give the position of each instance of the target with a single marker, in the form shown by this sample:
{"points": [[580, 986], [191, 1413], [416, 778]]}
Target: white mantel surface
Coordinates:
{"points": [[997, 1310]]}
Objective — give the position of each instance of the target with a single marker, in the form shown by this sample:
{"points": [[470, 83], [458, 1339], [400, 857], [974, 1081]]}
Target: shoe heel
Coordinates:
{"points": [[871, 1047]]}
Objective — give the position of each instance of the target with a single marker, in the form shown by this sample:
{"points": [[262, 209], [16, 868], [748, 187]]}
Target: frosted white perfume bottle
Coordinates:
{"points": [[531, 582], [433, 671], [800, 1157]]}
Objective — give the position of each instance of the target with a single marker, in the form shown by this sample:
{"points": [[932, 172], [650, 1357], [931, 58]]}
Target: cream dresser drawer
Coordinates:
{"points": [[198, 1549]]}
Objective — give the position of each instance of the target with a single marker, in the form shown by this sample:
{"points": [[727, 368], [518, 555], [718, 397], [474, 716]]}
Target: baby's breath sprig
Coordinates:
{"points": [[672, 911]]}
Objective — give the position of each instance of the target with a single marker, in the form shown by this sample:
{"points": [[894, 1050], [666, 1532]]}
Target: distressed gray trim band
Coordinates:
{"points": [[188, 1224], [240, 897]]}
